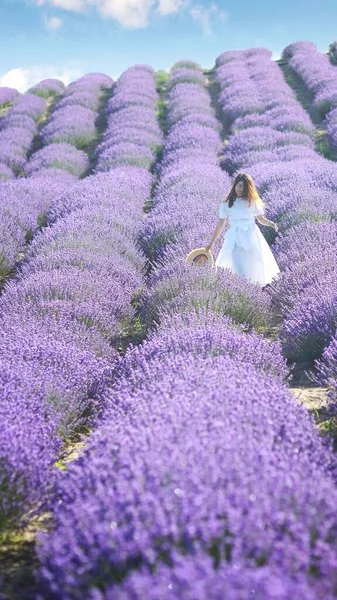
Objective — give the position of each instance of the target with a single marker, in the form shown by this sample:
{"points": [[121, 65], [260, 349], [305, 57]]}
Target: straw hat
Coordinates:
{"points": [[197, 252]]}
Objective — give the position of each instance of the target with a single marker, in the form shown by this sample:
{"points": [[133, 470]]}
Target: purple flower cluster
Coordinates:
{"points": [[186, 74], [234, 55], [60, 156], [74, 116], [17, 129], [331, 125], [5, 173], [90, 82], [302, 198], [52, 169], [178, 288], [327, 368], [7, 95], [132, 136], [320, 77], [23, 204], [194, 578], [267, 121], [318, 74], [216, 469], [189, 100], [73, 124], [70, 301], [185, 64], [203, 335], [47, 88]]}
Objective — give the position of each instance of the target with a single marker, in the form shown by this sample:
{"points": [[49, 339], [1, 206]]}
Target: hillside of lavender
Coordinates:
{"points": [[149, 436]]}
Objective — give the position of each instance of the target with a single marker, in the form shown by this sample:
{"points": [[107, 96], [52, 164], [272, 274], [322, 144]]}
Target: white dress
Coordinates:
{"points": [[245, 250]]}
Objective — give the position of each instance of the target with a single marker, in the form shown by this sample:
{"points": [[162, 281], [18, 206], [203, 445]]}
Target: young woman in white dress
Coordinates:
{"points": [[245, 250]]}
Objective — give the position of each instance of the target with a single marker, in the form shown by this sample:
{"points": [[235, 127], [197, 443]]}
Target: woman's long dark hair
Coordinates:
{"points": [[249, 190]]}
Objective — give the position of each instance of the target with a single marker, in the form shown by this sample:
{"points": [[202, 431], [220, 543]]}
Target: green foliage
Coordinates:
{"points": [[154, 248], [161, 78], [45, 93], [323, 147], [333, 53], [42, 220], [4, 268], [190, 78], [185, 64], [60, 465], [161, 111]]}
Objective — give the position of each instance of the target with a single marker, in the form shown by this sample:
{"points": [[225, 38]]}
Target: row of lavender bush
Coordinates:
{"points": [[7, 95], [300, 194], [320, 77], [213, 481], [71, 297], [50, 170], [60, 320], [18, 127], [132, 135], [23, 202], [74, 117], [261, 111], [71, 127]]}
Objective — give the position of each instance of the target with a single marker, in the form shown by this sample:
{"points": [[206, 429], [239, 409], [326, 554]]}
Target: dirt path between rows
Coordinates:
{"points": [[313, 398]]}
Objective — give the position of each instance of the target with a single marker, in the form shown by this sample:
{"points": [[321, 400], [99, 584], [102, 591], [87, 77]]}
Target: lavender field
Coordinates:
{"points": [[153, 444]]}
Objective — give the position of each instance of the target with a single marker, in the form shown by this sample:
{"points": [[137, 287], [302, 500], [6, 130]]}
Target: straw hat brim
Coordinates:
{"points": [[197, 252]]}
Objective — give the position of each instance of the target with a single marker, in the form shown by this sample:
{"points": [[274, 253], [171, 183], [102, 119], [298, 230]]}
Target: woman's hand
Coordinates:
{"points": [[274, 226], [209, 247]]}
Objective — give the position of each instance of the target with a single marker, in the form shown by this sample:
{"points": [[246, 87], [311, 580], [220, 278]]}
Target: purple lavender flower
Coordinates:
{"points": [[73, 292], [28, 104], [169, 476], [59, 155], [79, 98], [47, 88], [5, 172], [71, 124], [7, 95]]}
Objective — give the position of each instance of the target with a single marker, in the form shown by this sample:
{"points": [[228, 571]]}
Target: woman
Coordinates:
{"points": [[245, 251]]}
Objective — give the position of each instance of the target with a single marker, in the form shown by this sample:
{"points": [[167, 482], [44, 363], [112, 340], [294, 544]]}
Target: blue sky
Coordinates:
{"points": [[67, 38]]}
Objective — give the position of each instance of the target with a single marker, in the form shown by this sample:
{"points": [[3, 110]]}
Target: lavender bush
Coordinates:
{"points": [[327, 369], [7, 95], [5, 172], [59, 155], [23, 205], [317, 73], [71, 124], [17, 129], [72, 295], [170, 477], [132, 136], [47, 88]]}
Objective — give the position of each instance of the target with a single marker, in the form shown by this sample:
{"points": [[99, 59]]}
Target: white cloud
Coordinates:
{"points": [[133, 14], [276, 55], [205, 16], [22, 79], [169, 7], [52, 23], [76, 5]]}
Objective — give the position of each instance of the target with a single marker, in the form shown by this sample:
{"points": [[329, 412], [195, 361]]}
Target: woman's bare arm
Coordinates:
{"points": [[266, 222], [218, 229]]}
